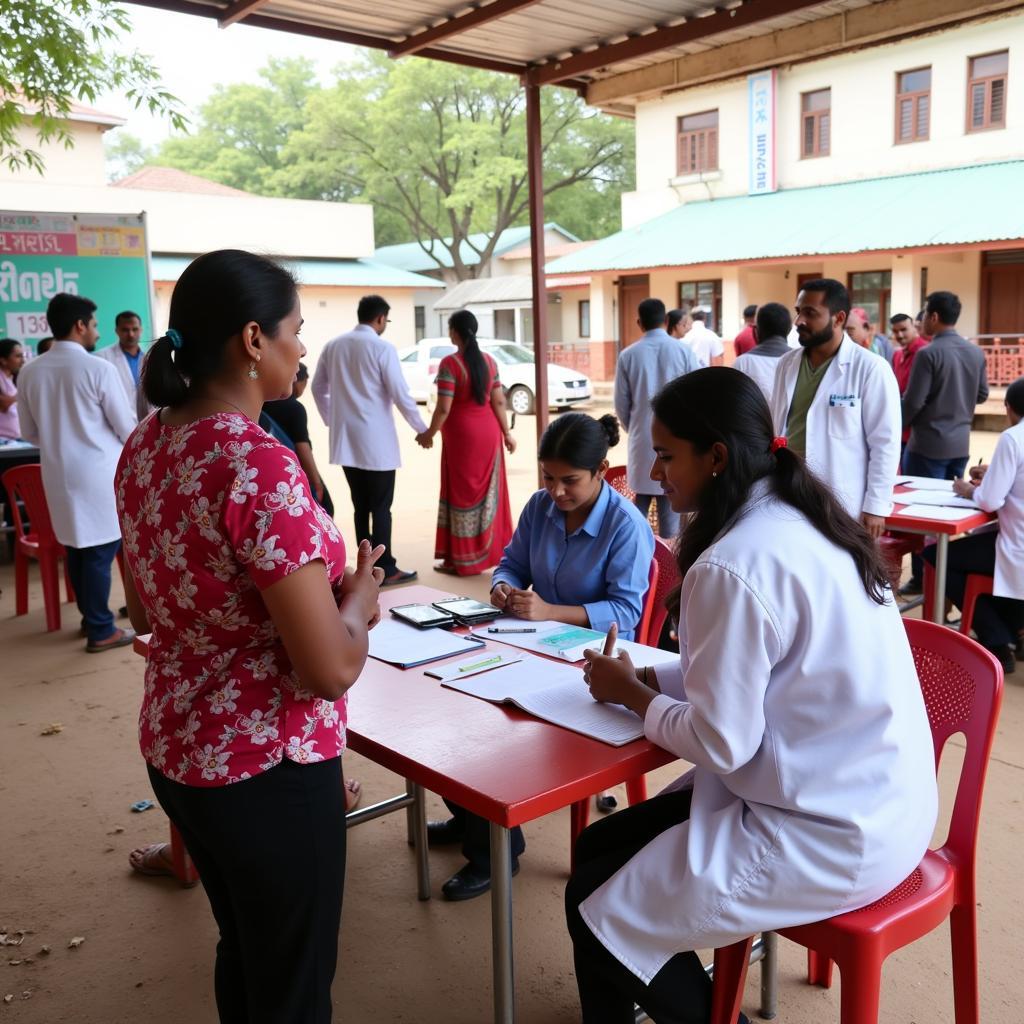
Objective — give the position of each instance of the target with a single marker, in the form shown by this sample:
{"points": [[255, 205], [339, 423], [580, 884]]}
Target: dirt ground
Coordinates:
{"points": [[66, 828]]}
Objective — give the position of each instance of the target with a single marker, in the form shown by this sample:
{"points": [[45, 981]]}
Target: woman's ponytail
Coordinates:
{"points": [[465, 326], [162, 382]]}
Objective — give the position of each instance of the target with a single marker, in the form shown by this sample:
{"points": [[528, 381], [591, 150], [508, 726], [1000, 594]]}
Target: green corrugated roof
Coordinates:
{"points": [[336, 273], [410, 255], [952, 207]]}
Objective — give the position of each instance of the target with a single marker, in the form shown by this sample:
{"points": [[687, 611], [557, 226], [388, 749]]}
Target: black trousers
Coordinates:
{"points": [[680, 993], [373, 491], [271, 855], [476, 837], [997, 620]]}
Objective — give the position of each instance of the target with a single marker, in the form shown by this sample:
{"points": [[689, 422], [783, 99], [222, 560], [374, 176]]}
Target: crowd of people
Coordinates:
{"points": [[813, 789]]}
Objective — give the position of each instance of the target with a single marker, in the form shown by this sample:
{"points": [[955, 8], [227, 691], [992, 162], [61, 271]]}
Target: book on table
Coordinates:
{"points": [[556, 693], [406, 646]]}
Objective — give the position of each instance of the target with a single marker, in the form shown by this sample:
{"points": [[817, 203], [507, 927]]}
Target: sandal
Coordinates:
{"points": [[153, 860], [353, 794], [446, 570]]}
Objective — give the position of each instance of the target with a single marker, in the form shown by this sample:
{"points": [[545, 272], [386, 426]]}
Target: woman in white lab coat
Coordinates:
{"points": [[796, 700], [998, 488]]}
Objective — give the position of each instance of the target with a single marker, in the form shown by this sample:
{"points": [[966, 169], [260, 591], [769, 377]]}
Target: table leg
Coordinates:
{"points": [[410, 812], [941, 562], [769, 976], [501, 925], [417, 819]]}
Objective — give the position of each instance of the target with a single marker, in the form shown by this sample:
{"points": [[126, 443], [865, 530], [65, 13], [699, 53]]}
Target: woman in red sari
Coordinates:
{"points": [[474, 520]]}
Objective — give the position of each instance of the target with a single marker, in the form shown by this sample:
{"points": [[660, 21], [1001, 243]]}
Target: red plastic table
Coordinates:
{"points": [[494, 760], [943, 531]]}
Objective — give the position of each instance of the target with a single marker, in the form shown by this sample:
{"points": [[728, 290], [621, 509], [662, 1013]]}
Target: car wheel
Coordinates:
{"points": [[521, 400]]}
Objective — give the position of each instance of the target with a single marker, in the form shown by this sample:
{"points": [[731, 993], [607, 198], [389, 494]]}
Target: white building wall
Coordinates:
{"points": [[863, 85], [84, 164]]}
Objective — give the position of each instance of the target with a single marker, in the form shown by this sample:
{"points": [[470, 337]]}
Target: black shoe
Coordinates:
{"points": [[1006, 657], [469, 882], [123, 611], [397, 577], [443, 833], [605, 803], [911, 588]]}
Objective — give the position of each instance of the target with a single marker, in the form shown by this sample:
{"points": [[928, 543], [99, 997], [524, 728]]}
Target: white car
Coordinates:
{"points": [[515, 366]]}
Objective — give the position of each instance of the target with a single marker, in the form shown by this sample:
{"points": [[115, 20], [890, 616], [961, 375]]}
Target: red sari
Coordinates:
{"points": [[474, 518]]}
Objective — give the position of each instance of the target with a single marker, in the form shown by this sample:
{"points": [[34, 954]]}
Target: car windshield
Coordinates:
{"points": [[510, 355]]}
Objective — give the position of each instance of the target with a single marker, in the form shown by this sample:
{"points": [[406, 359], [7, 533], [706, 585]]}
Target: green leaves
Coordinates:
{"points": [[58, 51]]}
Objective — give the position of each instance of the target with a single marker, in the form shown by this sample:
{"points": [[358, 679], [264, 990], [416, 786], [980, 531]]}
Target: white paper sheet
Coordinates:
{"points": [[400, 644], [555, 693], [925, 483], [945, 515], [947, 498], [483, 661]]}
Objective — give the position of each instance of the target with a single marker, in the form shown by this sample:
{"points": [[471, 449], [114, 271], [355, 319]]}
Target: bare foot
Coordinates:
{"points": [[353, 794], [154, 859]]}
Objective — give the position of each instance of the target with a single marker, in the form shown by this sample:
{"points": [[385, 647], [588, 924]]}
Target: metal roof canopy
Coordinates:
{"points": [[570, 43]]}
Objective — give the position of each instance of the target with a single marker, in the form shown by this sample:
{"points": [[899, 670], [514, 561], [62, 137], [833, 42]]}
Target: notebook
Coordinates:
{"points": [[939, 514], [406, 646], [557, 694], [942, 498]]}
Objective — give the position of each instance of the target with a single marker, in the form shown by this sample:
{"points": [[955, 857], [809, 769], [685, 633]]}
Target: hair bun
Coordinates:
{"points": [[610, 425]]}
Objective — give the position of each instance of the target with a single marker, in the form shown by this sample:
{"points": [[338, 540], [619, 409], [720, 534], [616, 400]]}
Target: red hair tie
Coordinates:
{"points": [[777, 443]]}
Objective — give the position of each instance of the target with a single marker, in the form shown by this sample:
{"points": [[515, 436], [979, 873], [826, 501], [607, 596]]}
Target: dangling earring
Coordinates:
{"points": [[714, 472], [253, 372]]}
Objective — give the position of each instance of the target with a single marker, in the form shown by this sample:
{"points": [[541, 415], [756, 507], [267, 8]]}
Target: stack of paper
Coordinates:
{"points": [[406, 646], [947, 498], [939, 514], [555, 693]]}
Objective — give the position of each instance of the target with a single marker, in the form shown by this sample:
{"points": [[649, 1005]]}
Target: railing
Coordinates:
{"points": [[1004, 357], [574, 357]]}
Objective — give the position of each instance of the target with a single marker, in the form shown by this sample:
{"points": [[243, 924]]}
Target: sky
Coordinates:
{"points": [[193, 55]]}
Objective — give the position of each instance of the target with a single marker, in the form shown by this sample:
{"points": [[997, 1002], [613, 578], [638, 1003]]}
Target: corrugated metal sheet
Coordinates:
{"points": [[960, 206], [487, 291], [332, 273]]}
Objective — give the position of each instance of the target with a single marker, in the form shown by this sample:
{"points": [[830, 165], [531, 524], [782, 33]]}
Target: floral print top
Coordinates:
{"points": [[212, 513]]}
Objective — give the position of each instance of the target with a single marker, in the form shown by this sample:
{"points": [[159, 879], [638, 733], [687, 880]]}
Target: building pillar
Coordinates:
{"points": [[905, 296], [603, 326]]}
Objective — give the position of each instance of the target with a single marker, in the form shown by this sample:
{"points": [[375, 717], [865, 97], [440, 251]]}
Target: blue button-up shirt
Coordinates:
{"points": [[602, 566]]}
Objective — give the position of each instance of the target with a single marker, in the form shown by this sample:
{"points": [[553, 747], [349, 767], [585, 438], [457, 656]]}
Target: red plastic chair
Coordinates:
{"points": [[976, 585], [668, 579], [963, 688], [894, 547], [184, 869], [616, 477], [24, 486]]}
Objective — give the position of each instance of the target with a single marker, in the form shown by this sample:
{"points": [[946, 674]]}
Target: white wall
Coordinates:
{"points": [[863, 85], [85, 164]]}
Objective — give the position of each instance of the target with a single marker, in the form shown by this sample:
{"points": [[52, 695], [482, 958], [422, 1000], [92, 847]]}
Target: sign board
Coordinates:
{"points": [[761, 96], [102, 256]]}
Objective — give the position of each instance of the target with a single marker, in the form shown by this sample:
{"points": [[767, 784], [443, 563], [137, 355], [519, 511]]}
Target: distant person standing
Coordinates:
{"points": [[947, 381], [43, 346], [677, 323], [127, 357], [12, 359], [859, 328], [907, 344], [773, 325], [746, 339], [704, 343], [356, 382], [74, 408], [643, 369]]}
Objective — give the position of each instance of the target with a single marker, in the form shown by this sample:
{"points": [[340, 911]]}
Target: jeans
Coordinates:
{"points": [[997, 620], [936, 469], [680, 993], [373, 491], [668, 521], [89, 569], [271, 855]]}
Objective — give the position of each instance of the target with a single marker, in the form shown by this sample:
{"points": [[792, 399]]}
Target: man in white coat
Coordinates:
{"points": [[643, 369], [838, 405], [74, 408], [357, 380], [127, 357]]}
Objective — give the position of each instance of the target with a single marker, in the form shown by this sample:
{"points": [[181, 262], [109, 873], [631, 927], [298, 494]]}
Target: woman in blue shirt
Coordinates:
{"points": [[581, 554]]}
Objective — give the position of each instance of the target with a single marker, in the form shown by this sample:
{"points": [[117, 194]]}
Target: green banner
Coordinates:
{"points": [[103, 257]]}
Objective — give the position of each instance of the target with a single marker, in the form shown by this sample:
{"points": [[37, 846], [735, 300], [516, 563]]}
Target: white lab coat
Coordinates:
{"points": [[703, 343], [74, 408], [853, 425], [136, 399], [1002, 491], [357, 380], [814, 788]]}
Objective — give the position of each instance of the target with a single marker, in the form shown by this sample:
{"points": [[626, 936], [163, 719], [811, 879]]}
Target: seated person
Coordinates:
{"points": [[586, 552], [999, 488]]}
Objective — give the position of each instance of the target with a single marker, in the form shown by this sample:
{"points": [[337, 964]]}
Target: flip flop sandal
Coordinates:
{"points": [[153, 861]]}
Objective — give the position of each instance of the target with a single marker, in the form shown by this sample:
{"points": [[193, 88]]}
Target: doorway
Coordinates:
{"points": [[1002, 292], [632, 291]]}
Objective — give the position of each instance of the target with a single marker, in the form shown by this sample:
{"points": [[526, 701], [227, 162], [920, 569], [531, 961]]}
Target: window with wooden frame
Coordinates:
{"points": [[697, 146], [706, 295], [584, 317], [913, 104], [986, 91], [816, 123]]}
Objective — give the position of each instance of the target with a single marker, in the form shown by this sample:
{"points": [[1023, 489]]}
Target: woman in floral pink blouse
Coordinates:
{"points": [[258, 631]]}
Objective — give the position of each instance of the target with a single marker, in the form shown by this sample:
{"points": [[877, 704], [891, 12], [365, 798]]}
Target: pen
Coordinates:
{"points": [[480, 664], [499, 629]]}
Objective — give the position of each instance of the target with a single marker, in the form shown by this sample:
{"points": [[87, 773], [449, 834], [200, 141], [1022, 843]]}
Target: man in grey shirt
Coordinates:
{"points": [[947, 381], [642, 370]]}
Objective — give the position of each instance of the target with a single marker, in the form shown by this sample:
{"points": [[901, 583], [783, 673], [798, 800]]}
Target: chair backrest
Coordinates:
{"points": [[24, 486], [643, 630], [962, 685], [616, 477], [668, 578]]}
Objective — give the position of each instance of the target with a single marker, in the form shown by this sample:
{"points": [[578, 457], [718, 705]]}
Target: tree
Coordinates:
{"points": [[57, 51], [244, 128], [125, 153], [441, 153]]}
